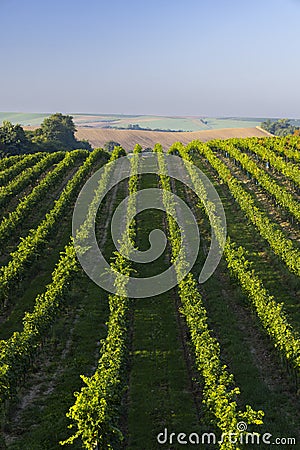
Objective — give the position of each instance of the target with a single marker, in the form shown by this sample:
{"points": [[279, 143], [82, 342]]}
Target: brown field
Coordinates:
{"points": [[128, 138]]}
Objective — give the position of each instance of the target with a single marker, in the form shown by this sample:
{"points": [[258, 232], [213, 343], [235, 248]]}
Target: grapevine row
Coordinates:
{"points": [[279, 193], [271, 313], [27, 176], [282, 246], [27, 161], [289, 146], [10, 223], [290, 170], [8, 161], [219, 394], [35, 241], [18, 352], [95, 411]]}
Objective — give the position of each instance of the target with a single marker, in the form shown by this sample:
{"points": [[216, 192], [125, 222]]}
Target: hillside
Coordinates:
{"points": [[128, 138], [123, 121], [171, 355]]}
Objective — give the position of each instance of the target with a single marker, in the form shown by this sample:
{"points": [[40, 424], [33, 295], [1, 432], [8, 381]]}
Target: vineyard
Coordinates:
{"points": [[81, 367]]}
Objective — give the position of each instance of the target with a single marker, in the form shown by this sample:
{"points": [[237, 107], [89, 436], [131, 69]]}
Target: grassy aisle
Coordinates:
{"points": [[40, 275], [264, 200], [160, 393], [40, 272], [246, 350], [13, 202], [268, 266], [37, 213], [37, 419]]}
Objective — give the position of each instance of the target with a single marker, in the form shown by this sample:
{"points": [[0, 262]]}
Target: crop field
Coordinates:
{"points": [[128, 138], [121, 358], [194, 123]]}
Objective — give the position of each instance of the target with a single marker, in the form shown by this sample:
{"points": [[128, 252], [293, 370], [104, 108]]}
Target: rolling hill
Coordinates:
{"points": [[128, 138]]}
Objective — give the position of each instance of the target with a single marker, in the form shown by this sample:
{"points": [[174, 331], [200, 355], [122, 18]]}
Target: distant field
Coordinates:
{"points": [[187, 123], [23, 118], [128, 138], [152, 122]]}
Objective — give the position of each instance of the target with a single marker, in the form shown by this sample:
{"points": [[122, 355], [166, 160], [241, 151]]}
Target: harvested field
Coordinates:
{"points": [[128, 138]]}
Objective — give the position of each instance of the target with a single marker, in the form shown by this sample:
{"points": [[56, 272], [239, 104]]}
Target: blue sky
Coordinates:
{"points": [[192, 57]]}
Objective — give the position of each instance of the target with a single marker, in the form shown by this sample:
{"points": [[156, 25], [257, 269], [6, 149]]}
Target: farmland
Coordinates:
{"points": [[128, 138], [98, 137], [197, 358], [188, 123]]}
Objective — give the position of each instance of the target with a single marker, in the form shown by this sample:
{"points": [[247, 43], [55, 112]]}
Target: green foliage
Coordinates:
{"points": [[219, 393], [57, 132], [270, 313], [138, 148], [10, 223], [287, 168], [11, 172], [27, 176], [280, 244], [281, 127], [120, 151], [110, 145], [244, 162], [288, 147], [36, 240], [8, 161], [59, 128], [95, 411], [17, 353], [13, 140]]}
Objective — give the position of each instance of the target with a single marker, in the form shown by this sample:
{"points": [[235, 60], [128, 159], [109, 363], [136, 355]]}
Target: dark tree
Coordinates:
{"points": [[281, 127], [57, 132], [13, 140], [59, 128], [110, 145]]}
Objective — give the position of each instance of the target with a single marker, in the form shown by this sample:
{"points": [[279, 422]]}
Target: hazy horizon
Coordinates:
{"points": [[101, 113], [207, 59], [203, 116]]}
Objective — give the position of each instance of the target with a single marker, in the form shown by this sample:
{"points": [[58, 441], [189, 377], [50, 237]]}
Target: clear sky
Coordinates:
{"points": [[164, 57]]}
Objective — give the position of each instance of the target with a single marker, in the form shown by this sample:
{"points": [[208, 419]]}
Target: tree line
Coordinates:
{"points": [[281, 127], [57, 132]]}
